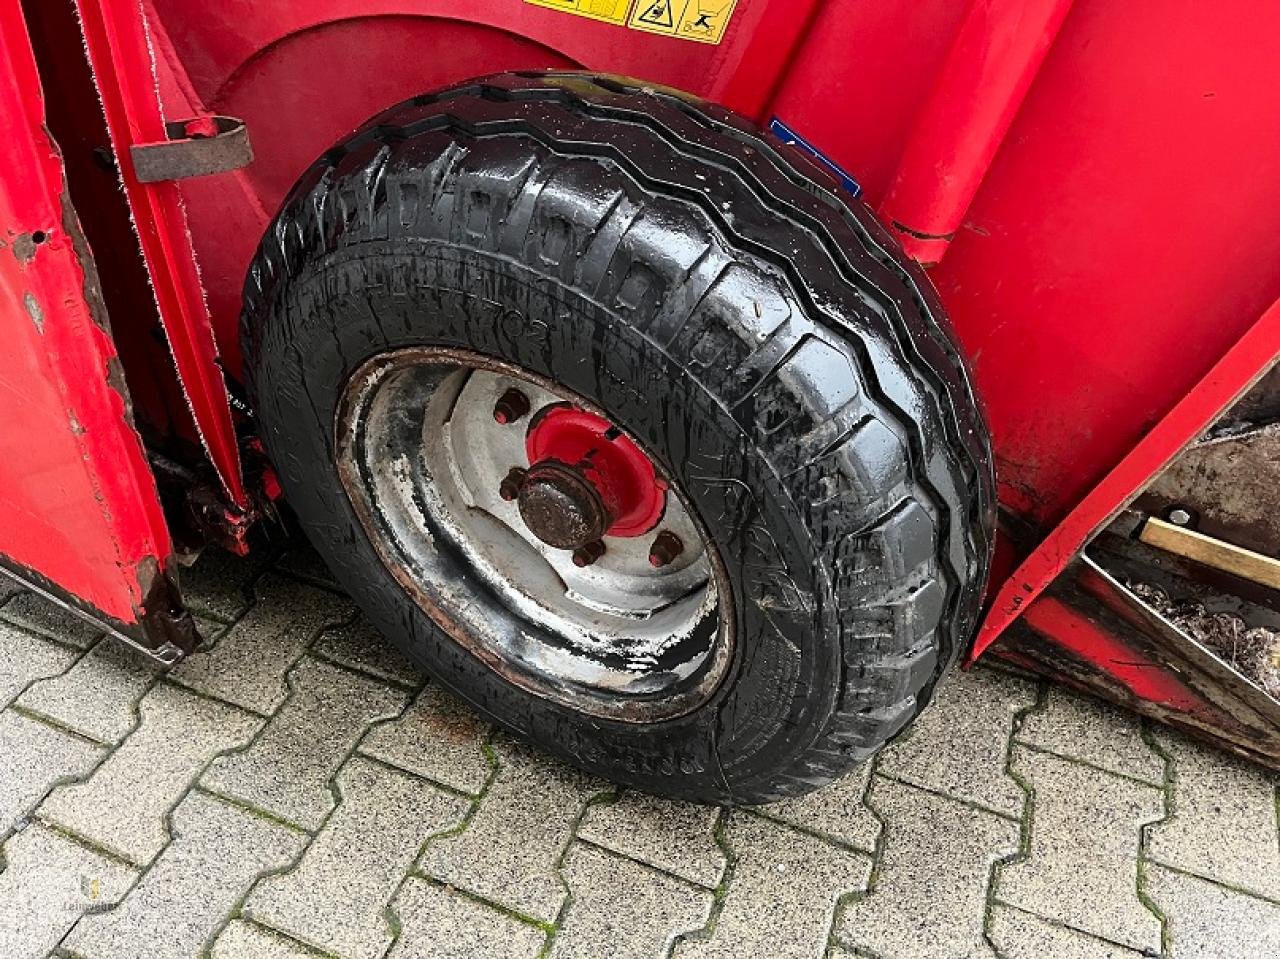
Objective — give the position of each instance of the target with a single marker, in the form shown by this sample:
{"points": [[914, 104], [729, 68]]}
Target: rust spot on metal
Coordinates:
{"points": [[32, 306], [25, 245]]}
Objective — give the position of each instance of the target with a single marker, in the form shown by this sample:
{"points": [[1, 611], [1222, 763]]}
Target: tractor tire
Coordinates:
{"points": [[650, 269]]}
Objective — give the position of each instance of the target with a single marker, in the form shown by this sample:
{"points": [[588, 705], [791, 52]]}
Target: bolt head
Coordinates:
{"points": [[585, 556], [1179, 516], [666, 547], [512, 405]]}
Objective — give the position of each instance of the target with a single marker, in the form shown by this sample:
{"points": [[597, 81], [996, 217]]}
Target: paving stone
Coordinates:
{"points": [[358, 859], [36, 614], [248, 664], [437, 923], [509, 850], [782, 893], [1082, 866], [1208, 921], [49, 882], [244, 940], [1094, 732], [1020, 935], [188, 893], [25, 659], [624, 910], [360, 646], [437, 737], [300, 559], [33, 758], [836, 811], [676, 836], [933, 876], [1223, 823], [287, 769], [959, 744], [217, 583], [98, 696], [123, 805]]}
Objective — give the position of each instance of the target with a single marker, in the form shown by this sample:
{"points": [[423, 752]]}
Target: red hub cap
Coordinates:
{"points": [[615, 473]]}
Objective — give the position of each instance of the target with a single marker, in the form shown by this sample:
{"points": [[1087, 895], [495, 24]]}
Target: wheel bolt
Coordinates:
{"points": [[509, 489], [666, 547], [586, 555], [511, 406]]}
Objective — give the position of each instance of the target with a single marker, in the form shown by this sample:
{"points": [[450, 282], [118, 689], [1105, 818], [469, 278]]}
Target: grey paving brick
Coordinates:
{"points": [[98, 696], [442, 924], [1223, 824], [24, 659], [287, 769], [781, 896], [676, 836], [49, 882], [33, 758], [124, 804], [244, 940], [932, 879], [437, 737], [217, 583], [190, 891], [300, 559], [248, 664], [959, 744], [1208, 921], [358, 859], [1020, 935], [837, 811], [360, 646], [624, 910], [36, 614], [1094, 732], [509, 850], [1082, 864]]}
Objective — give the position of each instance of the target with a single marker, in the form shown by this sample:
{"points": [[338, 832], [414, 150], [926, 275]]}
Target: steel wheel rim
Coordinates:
{"points": [[421, 458]]}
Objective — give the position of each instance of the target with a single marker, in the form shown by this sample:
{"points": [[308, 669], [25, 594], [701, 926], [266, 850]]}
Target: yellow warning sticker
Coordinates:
{"points": [[612, 11], [702, 20]]}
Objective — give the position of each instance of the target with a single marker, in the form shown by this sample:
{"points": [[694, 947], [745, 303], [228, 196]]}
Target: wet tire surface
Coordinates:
{"points": [[759, 336]]}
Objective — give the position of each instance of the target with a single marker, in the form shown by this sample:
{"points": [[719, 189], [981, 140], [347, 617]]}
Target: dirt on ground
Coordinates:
{"points": [[1253, 650]]}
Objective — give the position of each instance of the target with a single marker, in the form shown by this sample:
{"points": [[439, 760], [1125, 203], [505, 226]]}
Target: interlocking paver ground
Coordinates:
{"points": [[298, 787]]}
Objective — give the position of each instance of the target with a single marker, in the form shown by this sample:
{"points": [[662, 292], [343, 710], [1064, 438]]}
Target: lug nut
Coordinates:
{"points": [[666, 547], [511, 406], [584, 556], [509, 490]]}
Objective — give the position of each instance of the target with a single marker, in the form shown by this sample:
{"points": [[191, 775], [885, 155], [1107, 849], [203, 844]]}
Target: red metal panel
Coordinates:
{"points": [[78, 502], [116, 39], [1125, 235], [1199, 408]]}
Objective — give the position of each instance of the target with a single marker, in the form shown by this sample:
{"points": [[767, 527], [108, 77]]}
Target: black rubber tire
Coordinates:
{"points": [[711, 291]]}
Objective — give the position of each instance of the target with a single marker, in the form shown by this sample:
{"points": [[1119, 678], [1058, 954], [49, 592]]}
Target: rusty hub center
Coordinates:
{"points": [[561, 506]]}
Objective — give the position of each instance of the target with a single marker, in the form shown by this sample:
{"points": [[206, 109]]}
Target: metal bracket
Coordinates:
{"points": [[197, 147]]}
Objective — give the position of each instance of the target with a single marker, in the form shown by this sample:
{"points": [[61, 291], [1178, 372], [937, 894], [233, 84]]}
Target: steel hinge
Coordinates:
{"points": [[197, 147]]}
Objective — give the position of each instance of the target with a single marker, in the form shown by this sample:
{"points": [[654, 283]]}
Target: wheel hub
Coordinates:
{"points": [[561, 506], [592, 466]]}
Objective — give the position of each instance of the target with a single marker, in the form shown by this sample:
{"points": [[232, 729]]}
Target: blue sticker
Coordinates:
{"points": [[791, 138]]}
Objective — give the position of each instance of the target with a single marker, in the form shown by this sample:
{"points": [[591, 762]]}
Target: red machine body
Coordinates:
{"points": [[1095, 185]]}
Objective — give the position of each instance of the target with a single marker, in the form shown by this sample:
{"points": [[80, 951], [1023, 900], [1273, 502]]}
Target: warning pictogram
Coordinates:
{"points": [[701, 20], [656, 13]]}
